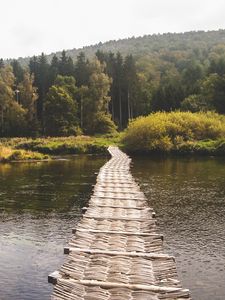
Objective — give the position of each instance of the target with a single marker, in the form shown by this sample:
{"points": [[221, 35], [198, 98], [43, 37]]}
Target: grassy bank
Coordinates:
{"points": [[61, 145], [9, 154], [176, 132]]}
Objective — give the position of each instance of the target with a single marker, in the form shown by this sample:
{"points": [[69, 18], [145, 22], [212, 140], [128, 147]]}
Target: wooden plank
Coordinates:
{"points": [[109, 285], [68, 250], [156, 235], [121, 198], [102, 217], [117, 206]]}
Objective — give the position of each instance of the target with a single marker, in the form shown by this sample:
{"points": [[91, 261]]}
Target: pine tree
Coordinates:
{"points": [[1, 63], [117, 88], [129, 82], [82, 71], [40, 68], [18, 71], [66, 66], [53, 69]]}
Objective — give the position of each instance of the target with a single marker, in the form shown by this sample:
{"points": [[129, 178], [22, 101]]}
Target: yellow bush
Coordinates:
{"points": [[163, 131]]}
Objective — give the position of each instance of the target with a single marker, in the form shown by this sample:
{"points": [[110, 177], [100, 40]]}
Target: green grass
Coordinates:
{"points": [[9, 154], [64, 145]]}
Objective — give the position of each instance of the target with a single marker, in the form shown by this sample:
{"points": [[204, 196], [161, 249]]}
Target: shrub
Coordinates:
{"points": [[163, 131], [103, 124]]}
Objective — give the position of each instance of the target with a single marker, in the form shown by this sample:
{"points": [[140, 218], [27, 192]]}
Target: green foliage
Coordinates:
{"points": [[103, 124], [95, 99], [15, 120], [172, 131], [195, 103], [12, 114], [213, 90], [142, 75], [60, 112]]}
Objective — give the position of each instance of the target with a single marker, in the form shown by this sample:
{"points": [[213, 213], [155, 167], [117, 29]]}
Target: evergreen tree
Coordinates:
{"points": [[117, 89], [130, 85], [82, 71], [1, 63], [53, 69], [40, 68], [65, 65], [18, 71]]}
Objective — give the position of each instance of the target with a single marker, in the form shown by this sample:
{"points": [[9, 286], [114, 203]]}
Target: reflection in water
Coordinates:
{"points": [[188, 195], [39, 205]]}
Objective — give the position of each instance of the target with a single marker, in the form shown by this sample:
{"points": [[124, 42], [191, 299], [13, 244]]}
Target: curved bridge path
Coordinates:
{"points": [[116, 252]]}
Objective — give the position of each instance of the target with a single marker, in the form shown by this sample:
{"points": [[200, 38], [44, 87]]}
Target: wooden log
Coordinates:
{"points": [[68, 250], [154, 235], [110, 285], [121, 197], [120, 206], [97, 217], [117, 198], [53, 277], [84, 209]]}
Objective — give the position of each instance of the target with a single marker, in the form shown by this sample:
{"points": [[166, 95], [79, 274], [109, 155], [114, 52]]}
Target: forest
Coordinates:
{"points": [[63, 95]]}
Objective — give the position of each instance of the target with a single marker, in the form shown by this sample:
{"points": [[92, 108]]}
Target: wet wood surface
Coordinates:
{"points": [[116, 252]]}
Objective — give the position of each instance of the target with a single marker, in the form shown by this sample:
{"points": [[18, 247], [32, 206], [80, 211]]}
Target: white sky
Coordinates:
{"points": [[29, 27]]}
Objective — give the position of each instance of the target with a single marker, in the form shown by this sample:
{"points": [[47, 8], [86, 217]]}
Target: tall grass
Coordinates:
{"points": [[63, 145], [9, 154]]}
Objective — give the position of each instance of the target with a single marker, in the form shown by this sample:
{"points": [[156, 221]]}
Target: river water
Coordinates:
{"points": [[40, 203], [188, 195]]}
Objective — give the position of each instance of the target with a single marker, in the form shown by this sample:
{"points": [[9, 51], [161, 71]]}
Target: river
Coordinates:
{"points": [[41, 202], [39, 205], [188, 196]]}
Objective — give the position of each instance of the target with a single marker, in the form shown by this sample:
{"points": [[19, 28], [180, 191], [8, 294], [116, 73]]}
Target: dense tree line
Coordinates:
{"points": [[61, 98], [66, 96]]}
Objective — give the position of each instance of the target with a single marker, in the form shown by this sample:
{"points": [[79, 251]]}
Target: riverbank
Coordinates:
{"points": [[42, 148], [202, 148], [177, 133], [8, 154], [23, 149]]}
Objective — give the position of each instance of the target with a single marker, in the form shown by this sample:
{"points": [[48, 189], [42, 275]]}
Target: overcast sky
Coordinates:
{"points": [[29, 27]]}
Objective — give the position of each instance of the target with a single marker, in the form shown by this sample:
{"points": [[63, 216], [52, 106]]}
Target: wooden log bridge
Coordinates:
{"points": [[116, 252]]}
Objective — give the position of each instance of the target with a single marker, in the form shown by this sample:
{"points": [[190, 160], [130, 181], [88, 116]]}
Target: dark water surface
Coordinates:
{"points": [[39, 204], [188, 195]]}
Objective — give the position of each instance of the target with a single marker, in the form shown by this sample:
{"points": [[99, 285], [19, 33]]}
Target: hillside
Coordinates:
{"points": [[75, 93], [148, 44]]}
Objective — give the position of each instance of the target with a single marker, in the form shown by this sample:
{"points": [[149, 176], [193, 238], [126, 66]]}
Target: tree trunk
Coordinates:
{"points": [[2, 120], [128, 105], [120, 102]]}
